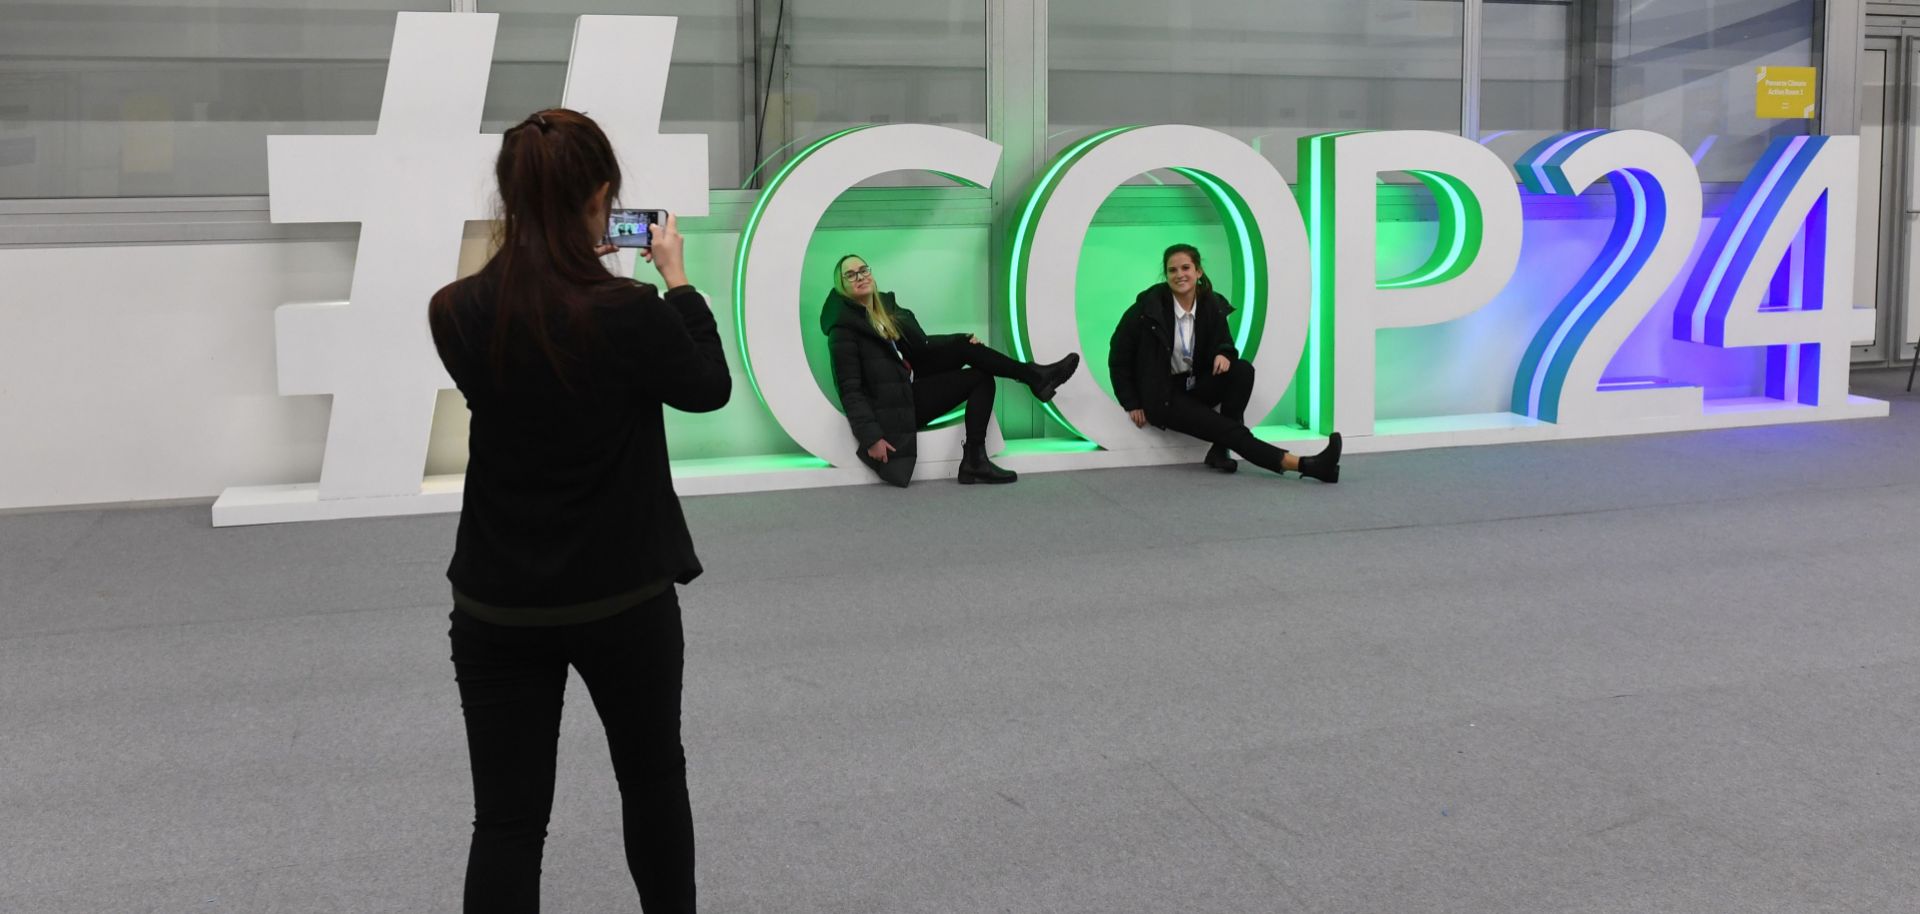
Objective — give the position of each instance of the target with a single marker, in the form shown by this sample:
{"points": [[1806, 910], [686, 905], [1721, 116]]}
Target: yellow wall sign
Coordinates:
{"points": [[1784, 92]]}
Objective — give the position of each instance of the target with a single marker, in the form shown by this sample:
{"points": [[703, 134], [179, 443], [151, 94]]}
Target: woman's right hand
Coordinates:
{"points": [[880, 450], [1139, 417], [665, 254]]}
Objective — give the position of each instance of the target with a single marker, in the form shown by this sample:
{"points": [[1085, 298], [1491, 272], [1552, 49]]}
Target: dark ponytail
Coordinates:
{"points": [[544, 266], [1205, 285]]}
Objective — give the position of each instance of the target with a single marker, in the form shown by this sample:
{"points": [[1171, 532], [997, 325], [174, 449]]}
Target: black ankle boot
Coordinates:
{"points": [[1217, 458], [976, 468], [1324, 466], [1048, 378]]}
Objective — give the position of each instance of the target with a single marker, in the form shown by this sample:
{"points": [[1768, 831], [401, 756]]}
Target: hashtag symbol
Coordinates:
{"points": [[413, 185]]}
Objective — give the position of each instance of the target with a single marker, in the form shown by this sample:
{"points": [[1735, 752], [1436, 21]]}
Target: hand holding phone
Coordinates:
{"points": [[633, 228], [666, 255]]}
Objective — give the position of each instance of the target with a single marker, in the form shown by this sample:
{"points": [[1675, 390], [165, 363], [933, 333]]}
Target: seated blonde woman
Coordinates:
{"points": [[894, 379]]}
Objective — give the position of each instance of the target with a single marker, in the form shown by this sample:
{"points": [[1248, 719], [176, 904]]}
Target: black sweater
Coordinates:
{"points": [[568, 495]]}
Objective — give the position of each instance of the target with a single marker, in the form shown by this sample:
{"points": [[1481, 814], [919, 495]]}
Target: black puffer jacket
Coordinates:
{"points": [[1140, 355], [875, 390]]}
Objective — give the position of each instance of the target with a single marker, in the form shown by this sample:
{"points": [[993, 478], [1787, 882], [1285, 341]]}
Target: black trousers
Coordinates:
{"points": [[946, 376], [1191, 412], [512, 681]]}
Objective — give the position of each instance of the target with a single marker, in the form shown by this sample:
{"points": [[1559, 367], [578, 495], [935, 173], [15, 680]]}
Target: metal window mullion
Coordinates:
{"points": [[1590, 28], [1017, 120], [1016, 93], [1901, 103], [1842, 32], [1470, 69], [750, 85], [785, 53]]}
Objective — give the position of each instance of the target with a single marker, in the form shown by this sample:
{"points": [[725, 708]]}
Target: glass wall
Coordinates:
{"points": [[1265, 72], [151, 98], [801, 69], [706, 85], [1526, 72], [1686, 69], [134, 98], [841, 63], [1682, 68]]}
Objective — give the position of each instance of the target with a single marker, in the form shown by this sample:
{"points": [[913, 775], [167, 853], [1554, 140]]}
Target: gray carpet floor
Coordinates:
{"points": [[1666, 674]]}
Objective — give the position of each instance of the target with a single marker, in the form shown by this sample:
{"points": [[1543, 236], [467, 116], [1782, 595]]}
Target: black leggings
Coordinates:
{"points": [[512, 680], [1191, 412], [941, 383]]}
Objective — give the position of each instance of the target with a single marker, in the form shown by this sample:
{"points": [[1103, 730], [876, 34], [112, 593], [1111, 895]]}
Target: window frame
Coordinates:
{"points": [[1016, 117]]}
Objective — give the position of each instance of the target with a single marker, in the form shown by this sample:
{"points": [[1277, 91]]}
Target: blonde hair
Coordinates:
{"points": [[883, 322]]}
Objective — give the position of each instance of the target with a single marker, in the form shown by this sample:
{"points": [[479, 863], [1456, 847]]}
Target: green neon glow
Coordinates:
{"points": [[1249, 254], [695, 467], [1317, 369], [1021, 249], [1460, 230], [746, 244], [748, 183], [1017, 264], [1049, 446], [1248, 250]]}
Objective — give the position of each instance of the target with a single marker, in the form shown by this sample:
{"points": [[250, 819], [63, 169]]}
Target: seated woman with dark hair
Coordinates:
{"points": [[1172, 360], [894, 379]]}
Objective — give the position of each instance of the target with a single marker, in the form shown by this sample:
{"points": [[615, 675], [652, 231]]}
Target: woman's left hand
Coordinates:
{"points": [[973, 340], [1221, 364], [602, 250]]}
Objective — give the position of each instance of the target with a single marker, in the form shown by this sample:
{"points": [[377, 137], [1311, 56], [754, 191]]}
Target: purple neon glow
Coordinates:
{"points": [[1705, 304], [1620, 258], [1701, 153], [1540, 161], [1634, 383], [1796, 301]]}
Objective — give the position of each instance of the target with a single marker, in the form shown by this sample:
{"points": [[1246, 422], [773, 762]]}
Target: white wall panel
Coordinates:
{"points": [[147, 372]]}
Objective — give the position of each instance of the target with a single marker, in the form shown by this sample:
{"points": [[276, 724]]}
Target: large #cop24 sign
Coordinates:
{"points": [[1775, 273]]}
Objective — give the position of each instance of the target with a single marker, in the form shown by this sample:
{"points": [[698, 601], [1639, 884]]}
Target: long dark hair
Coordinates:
{"points": [[1205, 284], [544, 266]]}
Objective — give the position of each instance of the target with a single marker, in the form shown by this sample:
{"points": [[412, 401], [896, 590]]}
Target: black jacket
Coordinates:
{"points": [[1140, 355], [875, 391], [568, 496]]}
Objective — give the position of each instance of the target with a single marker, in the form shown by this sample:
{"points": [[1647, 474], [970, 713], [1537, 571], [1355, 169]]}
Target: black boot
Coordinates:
{"points": [[1048, 378], [976, 468], [1217, 458], [1324, 466]]}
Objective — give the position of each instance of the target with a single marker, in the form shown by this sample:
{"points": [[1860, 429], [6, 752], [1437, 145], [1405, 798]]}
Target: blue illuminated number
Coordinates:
{"points": [[1778, 271], [1656, 193]]}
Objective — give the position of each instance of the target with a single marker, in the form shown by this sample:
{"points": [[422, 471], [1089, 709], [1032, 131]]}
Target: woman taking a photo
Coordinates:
{"points": [[1172, 360], [571, 539], [894, 379]]}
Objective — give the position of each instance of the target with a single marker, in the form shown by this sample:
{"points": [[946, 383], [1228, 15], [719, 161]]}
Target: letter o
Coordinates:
{"points": [[1267, 245]]}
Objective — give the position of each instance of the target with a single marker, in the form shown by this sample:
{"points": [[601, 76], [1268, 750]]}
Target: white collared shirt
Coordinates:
{"points": [[1183, 336]]}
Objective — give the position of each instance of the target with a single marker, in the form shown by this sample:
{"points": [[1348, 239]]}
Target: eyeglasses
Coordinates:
{"points": [[852, 275]]}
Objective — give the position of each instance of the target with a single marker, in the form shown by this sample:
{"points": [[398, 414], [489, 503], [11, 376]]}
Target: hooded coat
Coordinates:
{"points": [[1140, 355], [870, 373]]}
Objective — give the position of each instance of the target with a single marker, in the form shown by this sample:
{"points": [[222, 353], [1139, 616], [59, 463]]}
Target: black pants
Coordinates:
{"points": [[511, 682], [940, 383], [1191, 412]]}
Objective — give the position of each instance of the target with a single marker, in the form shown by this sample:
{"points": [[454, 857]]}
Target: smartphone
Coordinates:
{"points": [[633, 228]]}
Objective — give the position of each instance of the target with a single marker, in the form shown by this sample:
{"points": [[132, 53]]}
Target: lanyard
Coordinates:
{"points": [[1183, 337], [903, 359]]}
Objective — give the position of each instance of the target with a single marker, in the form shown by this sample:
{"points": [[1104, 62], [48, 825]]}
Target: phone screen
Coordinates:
{"points": [[633, 228]]}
